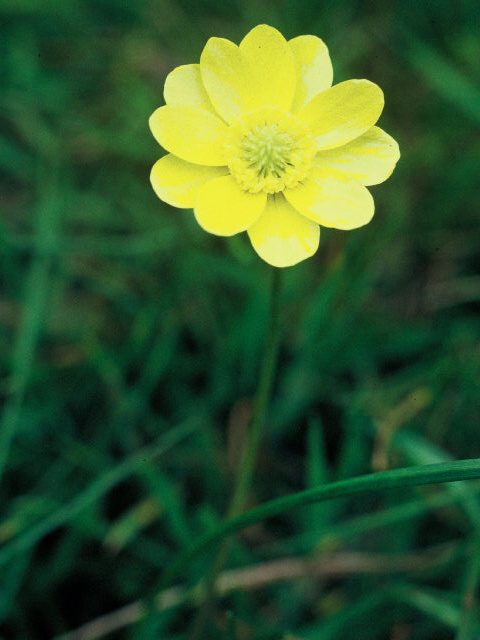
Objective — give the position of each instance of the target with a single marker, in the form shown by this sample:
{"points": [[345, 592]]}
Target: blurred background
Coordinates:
{"points": [[130, 340]]}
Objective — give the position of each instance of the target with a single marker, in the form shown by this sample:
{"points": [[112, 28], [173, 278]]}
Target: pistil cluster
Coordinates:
{"points": [[269, 150]]}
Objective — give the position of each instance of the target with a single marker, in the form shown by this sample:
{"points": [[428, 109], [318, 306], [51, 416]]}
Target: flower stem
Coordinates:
{"points": [[249, 454]]}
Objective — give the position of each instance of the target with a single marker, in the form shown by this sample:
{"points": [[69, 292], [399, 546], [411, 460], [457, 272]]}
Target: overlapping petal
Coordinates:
{"points": [[343, 112], [193, 134], [271, 61], [260, 72], [223, 208], [178, 182], [370, 158], [184, 86], [227, 78], [313, 69], [281, 236], [332, 199]]}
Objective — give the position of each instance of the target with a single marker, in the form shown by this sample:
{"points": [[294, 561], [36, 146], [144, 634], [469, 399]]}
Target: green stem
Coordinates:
{"points": [[249, 454]]}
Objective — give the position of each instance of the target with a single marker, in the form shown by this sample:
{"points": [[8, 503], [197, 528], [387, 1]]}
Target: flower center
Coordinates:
{"points": [[268, 150]]}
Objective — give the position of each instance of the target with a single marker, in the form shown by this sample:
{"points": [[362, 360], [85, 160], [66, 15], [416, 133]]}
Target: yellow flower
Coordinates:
{"points": [[261, 142]]}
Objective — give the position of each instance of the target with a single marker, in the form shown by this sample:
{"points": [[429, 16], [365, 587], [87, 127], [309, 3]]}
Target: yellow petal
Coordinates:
{"points": [[370, 158], [343, 112], [227, 78], [281, 236], [178, 182], [313, 69], [223, 208], [184, 86], [332, 199], [258, 73], [271, 61], [193, 134]]}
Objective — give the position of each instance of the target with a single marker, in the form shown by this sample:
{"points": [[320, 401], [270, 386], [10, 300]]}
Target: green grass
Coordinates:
{"points": [[126, 330]]}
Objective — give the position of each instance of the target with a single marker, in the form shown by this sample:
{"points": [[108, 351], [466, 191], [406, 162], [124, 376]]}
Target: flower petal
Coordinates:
{"points": [[223, 208], [272, 64], [332, 199], [227, 78], [281, 236], [370, 158], [313, 69], [184, 86], [178, 182], [258, 73], [343, 112], [193, 134]]}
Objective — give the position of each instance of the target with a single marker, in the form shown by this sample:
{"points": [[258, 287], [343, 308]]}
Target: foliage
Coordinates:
{"points": [[130, 341]]}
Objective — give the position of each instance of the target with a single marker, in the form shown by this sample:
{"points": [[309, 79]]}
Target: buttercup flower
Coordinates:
{"points": [[259, 141]]}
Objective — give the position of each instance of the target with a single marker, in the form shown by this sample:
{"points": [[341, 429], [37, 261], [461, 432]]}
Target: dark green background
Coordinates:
{"points": [[120, 319]]}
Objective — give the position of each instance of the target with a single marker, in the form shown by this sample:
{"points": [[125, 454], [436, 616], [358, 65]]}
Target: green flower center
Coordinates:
{"points": [[266, 149], [269, 150]]}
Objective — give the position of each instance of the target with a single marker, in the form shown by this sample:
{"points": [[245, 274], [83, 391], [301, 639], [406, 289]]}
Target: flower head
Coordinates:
{"points": [[259, 141]]}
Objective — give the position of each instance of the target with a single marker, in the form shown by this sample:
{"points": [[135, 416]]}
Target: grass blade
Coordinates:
{"points": [[382, 481]]}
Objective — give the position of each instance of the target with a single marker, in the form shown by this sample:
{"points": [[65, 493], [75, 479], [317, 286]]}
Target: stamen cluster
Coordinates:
{"points": [[269, 150]]}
